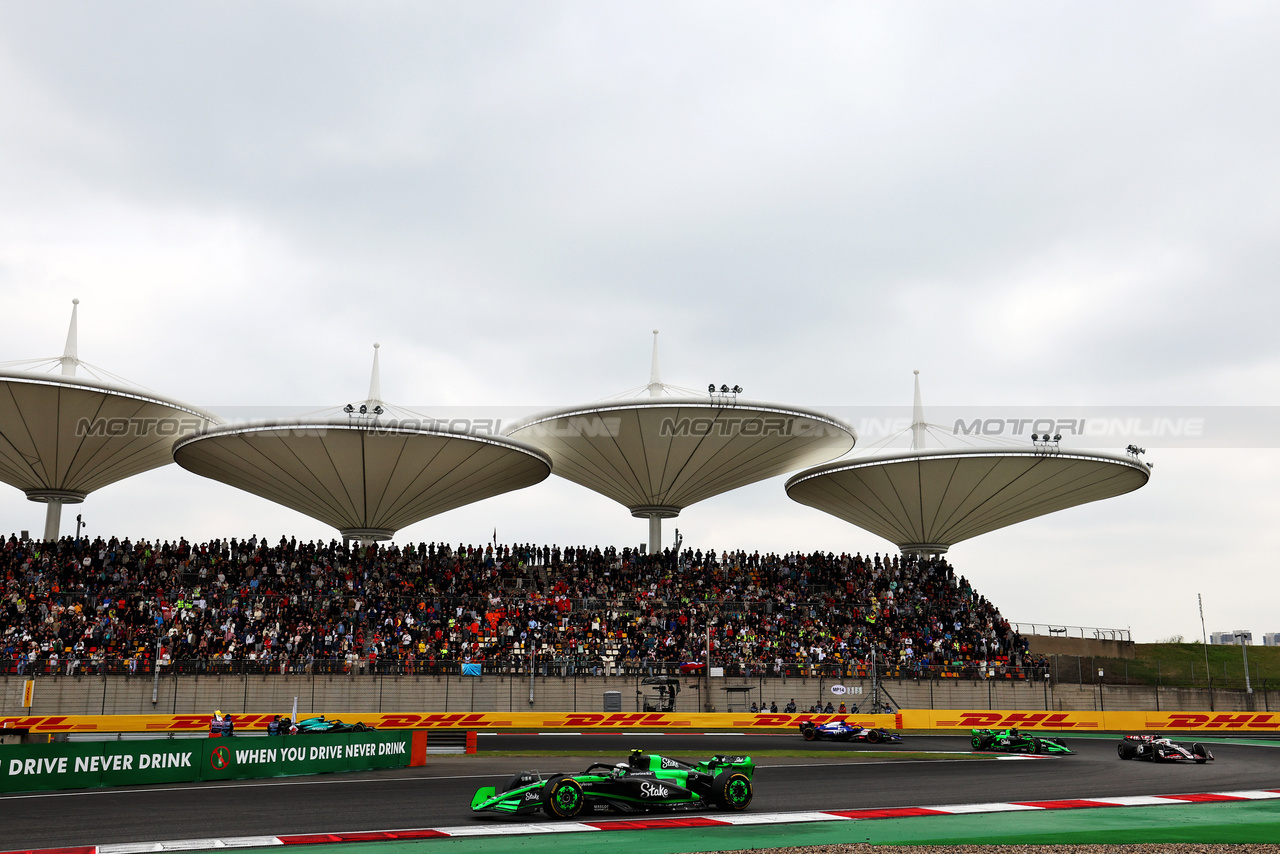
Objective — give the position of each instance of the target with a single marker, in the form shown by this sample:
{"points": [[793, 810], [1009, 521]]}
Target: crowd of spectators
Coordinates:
{"points": [[78, 606]]}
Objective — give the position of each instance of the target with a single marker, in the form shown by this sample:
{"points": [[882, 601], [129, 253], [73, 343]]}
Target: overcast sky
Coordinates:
{"points": [[1044, 205]]}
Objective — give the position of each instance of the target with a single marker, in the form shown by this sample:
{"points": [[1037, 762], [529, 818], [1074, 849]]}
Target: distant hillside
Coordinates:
{"points": [[1179, 664]]}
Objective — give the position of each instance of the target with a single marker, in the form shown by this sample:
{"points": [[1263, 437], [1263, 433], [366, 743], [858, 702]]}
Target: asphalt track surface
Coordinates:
{"points": [[439, 794]]}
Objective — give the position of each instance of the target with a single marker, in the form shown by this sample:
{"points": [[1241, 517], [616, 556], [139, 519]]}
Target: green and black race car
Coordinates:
{"points": [[646, 782], [1012, 741], [320, 725]]}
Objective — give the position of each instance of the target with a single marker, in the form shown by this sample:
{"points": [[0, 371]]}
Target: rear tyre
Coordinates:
{"points": [[1201, 754], [874, 736], [976, 741], [562, 798], [809, 733], [731, 790], [1124, 750]]}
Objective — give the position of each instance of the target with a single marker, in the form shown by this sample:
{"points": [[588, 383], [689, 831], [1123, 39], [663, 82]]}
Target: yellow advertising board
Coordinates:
{"points": [[911, 719], [533, 721], [28, 693], [1121, 721]]}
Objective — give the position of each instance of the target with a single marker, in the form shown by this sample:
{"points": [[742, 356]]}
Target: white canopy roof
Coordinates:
{"points": [[656, 456], [71, 435], [928, 500], [365, 479]]}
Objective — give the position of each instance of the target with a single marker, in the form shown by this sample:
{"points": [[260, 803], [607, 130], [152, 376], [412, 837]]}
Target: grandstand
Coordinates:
{"points": [[662, 452], [228, 606]]}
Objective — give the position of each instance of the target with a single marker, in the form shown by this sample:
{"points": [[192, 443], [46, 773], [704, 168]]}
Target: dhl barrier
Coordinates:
{"points": [[25, 768], [914, 719], [253, 722], [1268, 722]]}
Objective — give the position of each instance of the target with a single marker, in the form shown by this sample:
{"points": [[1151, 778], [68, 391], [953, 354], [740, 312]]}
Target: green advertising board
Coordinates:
{"points": [[33, 767], [133, 763], [378, 750], [238, 758], [25, 768]]}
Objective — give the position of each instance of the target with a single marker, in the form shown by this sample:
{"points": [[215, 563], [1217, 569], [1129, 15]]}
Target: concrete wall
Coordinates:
{"points": [[1085, 647], [121, 695]]}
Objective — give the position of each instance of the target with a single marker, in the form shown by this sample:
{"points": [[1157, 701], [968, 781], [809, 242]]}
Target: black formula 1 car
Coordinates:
{"points": [[1156, 748], [1013, 741], [842, 731], [646, 782]]}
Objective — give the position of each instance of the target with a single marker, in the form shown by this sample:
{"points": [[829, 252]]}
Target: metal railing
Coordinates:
{"points": [[1064, 631], [574, 666]]}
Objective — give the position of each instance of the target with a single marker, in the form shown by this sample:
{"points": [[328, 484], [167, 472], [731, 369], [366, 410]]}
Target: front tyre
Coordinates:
{"points": [[1200, 753], [731, 790], [562, 798], [874, 736]]}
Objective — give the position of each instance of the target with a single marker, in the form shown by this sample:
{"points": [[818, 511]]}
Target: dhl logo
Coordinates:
{"points": [[1032, 720], [243, 721], [770, 720], [389, 721], [477, 720], [43, 722], [1188, 720], [614, 719]]}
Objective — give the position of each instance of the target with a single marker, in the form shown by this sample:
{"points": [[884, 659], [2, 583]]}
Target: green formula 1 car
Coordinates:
{"points": [[320, 725], [1012, 741], [646, 782]]}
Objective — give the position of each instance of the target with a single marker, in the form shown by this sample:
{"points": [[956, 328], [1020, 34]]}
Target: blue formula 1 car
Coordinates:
{"points": [[842, 731], [646, 782]]}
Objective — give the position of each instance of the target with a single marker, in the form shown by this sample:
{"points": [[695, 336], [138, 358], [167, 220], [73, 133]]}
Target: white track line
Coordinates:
{"points": [[640, 823]]}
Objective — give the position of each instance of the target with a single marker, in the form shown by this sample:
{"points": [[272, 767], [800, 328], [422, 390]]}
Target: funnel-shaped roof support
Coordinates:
{"points": [[367, 474], [70, 356], [655, 376], [61, 437], [918, 427], [375, 379], [927, 501]]}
